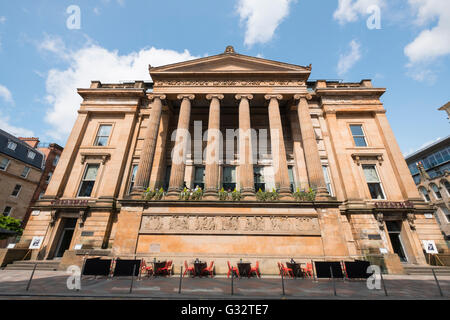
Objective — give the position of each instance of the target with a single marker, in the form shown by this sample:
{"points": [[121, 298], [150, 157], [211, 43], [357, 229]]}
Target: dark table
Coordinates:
{"points": [[244, 268], [296, 269], [198, 268]]}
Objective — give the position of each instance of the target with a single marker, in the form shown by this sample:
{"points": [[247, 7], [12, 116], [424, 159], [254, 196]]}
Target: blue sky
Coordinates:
{"points": [[42, 61]]}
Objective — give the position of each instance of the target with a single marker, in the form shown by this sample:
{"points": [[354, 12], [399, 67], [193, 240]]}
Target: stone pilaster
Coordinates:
{"points": [[313, 164], [279, 161], [213, 147], [159, 162], [245, 148], [180, 148], [148, 149], [299, 154]]}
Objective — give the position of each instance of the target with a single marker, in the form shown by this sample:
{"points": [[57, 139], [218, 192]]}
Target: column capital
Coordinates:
{"points": [[215, 95], [273, 96], [307, 96], [153, 96], [241, 96], [186, 96]]}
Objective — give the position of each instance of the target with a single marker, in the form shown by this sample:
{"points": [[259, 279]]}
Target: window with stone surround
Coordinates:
{"points": [[88, 181], [4, 163], [102, 137], [358, 135], [134, 170], [199, 177], [436, 191], [446, 213], [229, 178], [258, 174], [326, 174], [373, 182], [31, 155], [425, 194], [446, 184], [25, 172], [7, 211], [12, 145], [16, 191]]}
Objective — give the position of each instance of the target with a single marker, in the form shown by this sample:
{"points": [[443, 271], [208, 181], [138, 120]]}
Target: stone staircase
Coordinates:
{"points": [[426, 270], [29, 265]]}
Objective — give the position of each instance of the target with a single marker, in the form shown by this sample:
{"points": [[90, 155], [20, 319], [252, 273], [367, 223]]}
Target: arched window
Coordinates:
{"points": [[446, 184], [436, 191], [425, 194]]}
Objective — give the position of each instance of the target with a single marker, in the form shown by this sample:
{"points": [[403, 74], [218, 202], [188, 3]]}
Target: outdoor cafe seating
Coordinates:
{"points": [[187, 269], [232, 270], [163, 268], [208, 270]]}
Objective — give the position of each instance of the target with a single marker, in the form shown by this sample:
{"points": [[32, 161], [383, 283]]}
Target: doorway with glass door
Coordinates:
{"points": [[394, 229], [66, 236]]}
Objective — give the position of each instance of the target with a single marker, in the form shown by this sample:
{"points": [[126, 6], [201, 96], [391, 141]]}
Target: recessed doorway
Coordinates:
{"points": [[394, 229], [65, 239]]}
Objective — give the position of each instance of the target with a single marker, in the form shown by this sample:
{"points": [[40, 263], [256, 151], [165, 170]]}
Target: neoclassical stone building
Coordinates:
{"points": [[331, 137]]}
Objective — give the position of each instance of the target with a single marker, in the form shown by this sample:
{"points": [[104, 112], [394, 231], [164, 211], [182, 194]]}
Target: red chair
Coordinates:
{"points": [[286, 271], [166, 269], [209, 270], [255, 270], [308, 270], [191, 270], [232, 269], [146, 269]]}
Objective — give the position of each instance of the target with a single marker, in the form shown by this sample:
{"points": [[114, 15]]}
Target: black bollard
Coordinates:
{"points": [[132, 278], [437, 282], [181, 278], [31, 277], [332, 279]]}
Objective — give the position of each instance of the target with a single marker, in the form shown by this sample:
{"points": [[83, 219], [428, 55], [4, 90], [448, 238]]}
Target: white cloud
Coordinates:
{"points": [[262, 18], [94, 63], [351, 10], [2, 19], [430, 43], [348, 60], [16, 131], [5, 94]]}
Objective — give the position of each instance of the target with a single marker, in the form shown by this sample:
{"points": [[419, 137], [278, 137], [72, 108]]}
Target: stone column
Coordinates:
{"points": [[148, 149], [245, 148], [279, 160], [213, 147], [159, 162], [180, 148], [299, 153], [313, 164]]}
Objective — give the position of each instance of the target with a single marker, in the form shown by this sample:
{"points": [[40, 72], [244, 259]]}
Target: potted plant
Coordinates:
{"points": [[185, 194], [236, 195], [197, 194], [223, 195], [149, 194]]}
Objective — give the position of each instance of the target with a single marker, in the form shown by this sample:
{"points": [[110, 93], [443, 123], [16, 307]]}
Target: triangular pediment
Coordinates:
{"points": [[229, 63]]}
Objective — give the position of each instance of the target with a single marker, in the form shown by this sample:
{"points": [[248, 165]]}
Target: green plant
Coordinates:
{"points": [[273, 196], [197, 194], [261, 196], [159, 194], [149, 194], [223, 195], [11, 224], [236, 195], [185, 194], [309, 195]]}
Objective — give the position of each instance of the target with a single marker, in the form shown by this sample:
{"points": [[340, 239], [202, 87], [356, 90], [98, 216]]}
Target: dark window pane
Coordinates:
{"points": [[356, 130], [375, 191], [86, 188], [261, 186], [102, 141], [229, 186], [360, 142]]}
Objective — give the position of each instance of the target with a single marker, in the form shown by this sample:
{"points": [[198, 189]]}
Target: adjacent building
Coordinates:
{"points": [[430, 168], [21, 167], [279, 130]]}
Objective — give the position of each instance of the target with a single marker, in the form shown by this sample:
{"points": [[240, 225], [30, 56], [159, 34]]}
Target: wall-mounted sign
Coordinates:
{"points": [[394, 205], [36, 243], [35, 212], [374, 237], [78, 246], [11, 246], [428, 216], [155, 248], [430, 246], [383, 251], [70, 202]]}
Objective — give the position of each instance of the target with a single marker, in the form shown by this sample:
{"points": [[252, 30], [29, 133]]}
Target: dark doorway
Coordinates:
{"points": [[65, 239], [394, 230]]}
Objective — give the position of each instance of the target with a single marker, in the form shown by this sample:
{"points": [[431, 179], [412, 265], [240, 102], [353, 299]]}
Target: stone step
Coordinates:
{"points": [[427, 270], [29, 265]]}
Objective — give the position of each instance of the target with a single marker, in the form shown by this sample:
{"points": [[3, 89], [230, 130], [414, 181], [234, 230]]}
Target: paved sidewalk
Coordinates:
{"points": [[52, 284]]}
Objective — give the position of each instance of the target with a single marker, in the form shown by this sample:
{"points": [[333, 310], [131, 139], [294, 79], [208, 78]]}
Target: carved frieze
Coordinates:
{"points": [[228, 83], [185, 224]]}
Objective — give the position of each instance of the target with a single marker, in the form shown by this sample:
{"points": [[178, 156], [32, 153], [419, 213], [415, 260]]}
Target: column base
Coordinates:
{"points": [[322, 194], [137, 193], [173, 194], [248, 194], [285, 194], [210, 194]]}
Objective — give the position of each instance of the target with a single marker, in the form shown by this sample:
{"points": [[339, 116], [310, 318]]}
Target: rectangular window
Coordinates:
{"points": [[258, 174], [326, 175], [87, 184], [134, 170], [56, 160], [446, 213], [16, 191], [229, 178], [199, 177], [4, 164], [167, 178], [291, 178], [7, 212], [103, 135], [31, 154], [358, 135], [49, 177], [25, 172], [373, 181], [12, 145]]}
